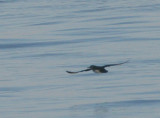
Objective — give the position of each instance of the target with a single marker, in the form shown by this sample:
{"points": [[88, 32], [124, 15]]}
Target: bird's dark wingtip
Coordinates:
{"points": [[71, 72], [68, 71], [127, 61]]}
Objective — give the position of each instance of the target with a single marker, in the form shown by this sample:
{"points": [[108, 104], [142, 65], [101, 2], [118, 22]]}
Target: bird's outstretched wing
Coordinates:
{"points": [[115, 64], [78, 71]]}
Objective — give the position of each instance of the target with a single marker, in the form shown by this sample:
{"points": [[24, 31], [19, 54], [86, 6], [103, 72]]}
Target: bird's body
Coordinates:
{"points": [[97, 69]]}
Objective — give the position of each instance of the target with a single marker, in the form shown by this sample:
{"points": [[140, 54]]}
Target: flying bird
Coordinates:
{"points": [[97, 69]]}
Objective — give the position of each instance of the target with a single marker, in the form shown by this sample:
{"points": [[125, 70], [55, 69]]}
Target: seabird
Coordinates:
{"points": [[97, 69]]}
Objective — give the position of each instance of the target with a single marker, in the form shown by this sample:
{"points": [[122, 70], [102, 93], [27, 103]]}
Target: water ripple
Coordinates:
{"points": [[117, 104], [47, 23], [34, 44]]}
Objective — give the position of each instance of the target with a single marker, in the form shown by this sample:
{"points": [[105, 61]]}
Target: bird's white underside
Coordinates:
{"points": [[96, 71]]}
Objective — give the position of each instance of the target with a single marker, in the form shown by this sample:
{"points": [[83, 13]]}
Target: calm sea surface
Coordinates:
{"points": [[41, 39]]}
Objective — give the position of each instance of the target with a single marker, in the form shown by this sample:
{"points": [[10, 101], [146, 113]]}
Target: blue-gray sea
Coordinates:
{"points": [[41, 39]]}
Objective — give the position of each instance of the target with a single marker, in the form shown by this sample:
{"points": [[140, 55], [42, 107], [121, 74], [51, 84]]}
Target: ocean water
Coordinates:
{"points": [[40, 40]]}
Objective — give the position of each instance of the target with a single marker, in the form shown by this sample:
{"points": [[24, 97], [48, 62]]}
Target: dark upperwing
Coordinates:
{"points": [[78, 71], [115, 64]]}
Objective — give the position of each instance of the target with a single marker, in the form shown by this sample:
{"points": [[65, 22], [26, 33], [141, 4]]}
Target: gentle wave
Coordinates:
{"points": [[117, 104], [34, 44]]}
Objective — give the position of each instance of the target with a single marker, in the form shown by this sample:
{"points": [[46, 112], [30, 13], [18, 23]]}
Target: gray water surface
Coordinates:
{"points": [[40, 40]]}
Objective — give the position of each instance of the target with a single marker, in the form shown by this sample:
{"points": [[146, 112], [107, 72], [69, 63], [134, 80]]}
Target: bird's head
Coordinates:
{"points": [[91, 67]]}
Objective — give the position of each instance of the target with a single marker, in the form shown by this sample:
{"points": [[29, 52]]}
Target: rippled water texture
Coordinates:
{"points": [[40, 40]]}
